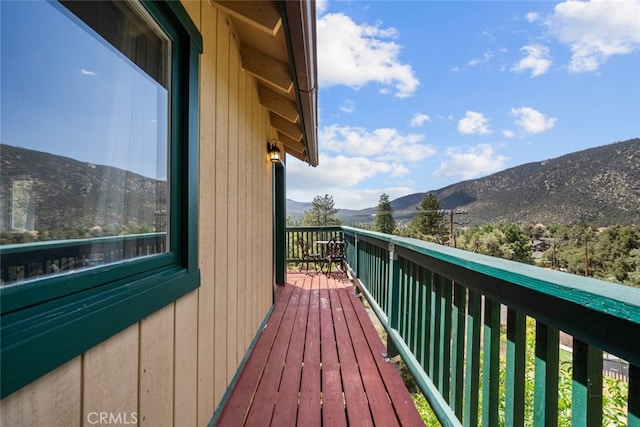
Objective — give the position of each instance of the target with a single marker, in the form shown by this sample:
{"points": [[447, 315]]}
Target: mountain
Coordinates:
{"points": [[59, 192], [599, 186]]}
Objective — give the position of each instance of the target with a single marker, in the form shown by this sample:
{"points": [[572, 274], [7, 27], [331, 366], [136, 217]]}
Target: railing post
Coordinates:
{"points": [[545, 401], [393, 296], [586, 407], [356, 249]]}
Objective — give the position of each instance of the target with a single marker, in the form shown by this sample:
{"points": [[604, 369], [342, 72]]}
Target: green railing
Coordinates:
{"points": [[311, 235], [461, 322], [24, 261]]}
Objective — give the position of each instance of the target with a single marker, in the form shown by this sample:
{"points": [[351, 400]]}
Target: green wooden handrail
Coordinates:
{"points": [[442, 308]]}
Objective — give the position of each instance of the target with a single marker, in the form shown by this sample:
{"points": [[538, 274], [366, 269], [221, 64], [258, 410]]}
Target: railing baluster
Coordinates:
{"points": [[416, 330], [403, 300], [516, 352], [457, 351], [472, 377], [421, 335], [633, 417], [437, 332], [428, 321], [393, 293], [586, 405], [445, 346], [545, 400], [491, 364]]}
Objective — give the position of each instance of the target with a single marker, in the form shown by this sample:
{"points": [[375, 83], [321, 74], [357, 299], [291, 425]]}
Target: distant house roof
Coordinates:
{"points": [[277, 41]]}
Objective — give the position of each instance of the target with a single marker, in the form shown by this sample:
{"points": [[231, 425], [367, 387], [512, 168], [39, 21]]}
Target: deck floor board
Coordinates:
{"points": [[319, 362]]}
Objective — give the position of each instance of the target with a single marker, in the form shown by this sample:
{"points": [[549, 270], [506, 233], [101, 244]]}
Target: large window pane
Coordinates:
{"points": [[85, 136]]}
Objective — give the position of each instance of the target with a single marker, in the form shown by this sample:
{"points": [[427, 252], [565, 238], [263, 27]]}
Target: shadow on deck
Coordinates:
{"points": [[319, 361]]}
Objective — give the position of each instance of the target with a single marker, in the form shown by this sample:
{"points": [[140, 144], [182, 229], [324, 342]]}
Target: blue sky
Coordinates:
{"points": [[417, 95], [65, 101]]}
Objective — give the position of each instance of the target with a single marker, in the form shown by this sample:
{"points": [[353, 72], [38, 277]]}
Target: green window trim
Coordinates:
{"points": [[280, 223], [41, 330]]}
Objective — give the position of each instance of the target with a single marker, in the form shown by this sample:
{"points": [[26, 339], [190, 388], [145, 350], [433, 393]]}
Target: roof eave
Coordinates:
{"points": [[300, 30]]}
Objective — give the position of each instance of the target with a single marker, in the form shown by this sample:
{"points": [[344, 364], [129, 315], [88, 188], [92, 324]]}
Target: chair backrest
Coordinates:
{"points": [[336, 247], [303, 246]]}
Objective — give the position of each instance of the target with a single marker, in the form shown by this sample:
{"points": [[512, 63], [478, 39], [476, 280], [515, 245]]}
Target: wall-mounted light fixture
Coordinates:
{"points": [[274, 151]]}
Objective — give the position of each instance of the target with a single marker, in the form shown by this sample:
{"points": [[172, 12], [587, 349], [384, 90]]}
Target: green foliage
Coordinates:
{"points": [[51, 234], [423, 407], [384, 222], [322, 212], [430, 218], [611, 254], [12, 237], [614, 402], [507, 241]]}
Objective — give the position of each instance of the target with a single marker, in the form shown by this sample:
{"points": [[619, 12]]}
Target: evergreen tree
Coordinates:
{"points": [[430, 216], [322, 212], [517, 244], [384, 222]]}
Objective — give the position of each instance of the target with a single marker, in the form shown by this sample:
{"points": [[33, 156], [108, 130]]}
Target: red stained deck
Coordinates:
{"points": [[319, 361]]}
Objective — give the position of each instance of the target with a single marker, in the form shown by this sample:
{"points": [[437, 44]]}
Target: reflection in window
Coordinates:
{"points": [[85, 136]]}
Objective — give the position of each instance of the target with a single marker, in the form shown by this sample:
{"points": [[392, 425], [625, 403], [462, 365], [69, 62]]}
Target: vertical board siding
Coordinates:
{"points": [[110, 376], [207, 212], [232, 206], [54, 399], [173, 367], [156, 369], [186, 360], [242, 234], [221, 214]]}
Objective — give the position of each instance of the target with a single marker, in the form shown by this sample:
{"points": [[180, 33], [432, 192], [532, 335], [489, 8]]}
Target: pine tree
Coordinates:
{"points": [[322, 212], [384, 221], [430, 216]]}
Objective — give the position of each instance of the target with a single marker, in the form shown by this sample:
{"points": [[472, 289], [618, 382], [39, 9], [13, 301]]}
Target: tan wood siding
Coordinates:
{"points": [[173, 367], [53, 400], [207, 207], [186, 361], [110, 376]]}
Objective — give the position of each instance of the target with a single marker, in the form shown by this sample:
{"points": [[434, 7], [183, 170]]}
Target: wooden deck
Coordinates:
{"points": [[319, 361]]}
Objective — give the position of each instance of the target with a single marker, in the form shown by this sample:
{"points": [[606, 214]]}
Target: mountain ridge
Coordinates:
{"points": [[76, 193], [599, 186]]}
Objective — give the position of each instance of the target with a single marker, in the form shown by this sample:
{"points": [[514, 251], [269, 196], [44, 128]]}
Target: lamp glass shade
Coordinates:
{"points": [[274, 153]]}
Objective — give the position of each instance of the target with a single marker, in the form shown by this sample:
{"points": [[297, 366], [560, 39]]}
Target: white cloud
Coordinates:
{"points": [[419, 119], [536, 59], [508, 133], [474, 123], [385, 144], [485, 58], [356, 55], [531, 120], [368, 197], [321, 6], [88, 72], [476, 161], [338, 175], [595, 30], [348, 106], [532, 16]]}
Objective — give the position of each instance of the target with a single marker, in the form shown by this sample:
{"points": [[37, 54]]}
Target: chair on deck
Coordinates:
{"points": [[307, 257], [336, 249]]}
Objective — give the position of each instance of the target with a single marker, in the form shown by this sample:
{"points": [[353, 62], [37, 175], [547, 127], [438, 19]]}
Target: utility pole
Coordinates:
{"points": [[451, 213], [586, 255]]}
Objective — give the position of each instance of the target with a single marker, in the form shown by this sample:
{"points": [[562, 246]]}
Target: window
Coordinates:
{"points": [[98, 182], [85, 134]]}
